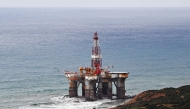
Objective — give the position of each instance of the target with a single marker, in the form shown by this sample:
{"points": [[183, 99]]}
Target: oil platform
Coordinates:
{"points": [[96, 81]]}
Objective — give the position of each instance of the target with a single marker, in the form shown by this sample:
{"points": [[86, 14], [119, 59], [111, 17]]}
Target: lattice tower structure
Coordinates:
{"points": [[96, 57]]}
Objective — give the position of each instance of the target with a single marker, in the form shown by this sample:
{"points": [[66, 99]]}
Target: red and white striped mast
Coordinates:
{"points": [[96, 58]]}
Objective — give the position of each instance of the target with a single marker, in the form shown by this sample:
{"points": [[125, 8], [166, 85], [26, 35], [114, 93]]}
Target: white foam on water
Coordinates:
{"points": [[70, 103]]}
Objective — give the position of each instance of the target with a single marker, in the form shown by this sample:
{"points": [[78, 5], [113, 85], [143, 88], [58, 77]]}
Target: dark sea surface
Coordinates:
{"points": [[38, 44]]}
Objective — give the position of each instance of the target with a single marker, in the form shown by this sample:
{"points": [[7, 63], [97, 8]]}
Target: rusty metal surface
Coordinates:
{"points": [[90, 95], [73, 92], [99, 94], [74, 78], [90, 80], [109, 93], [123, 75], [120, 92], [72, 84], [105, 80], [120, 82]]}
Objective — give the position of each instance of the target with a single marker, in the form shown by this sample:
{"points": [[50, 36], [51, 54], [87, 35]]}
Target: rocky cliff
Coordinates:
{"points": [[167, 98]]}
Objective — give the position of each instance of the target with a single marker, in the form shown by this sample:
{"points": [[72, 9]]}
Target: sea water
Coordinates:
{"points": [[38, 44]]}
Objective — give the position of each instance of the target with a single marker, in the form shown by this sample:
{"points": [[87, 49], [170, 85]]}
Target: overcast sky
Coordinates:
{"points": [[94, 3]]}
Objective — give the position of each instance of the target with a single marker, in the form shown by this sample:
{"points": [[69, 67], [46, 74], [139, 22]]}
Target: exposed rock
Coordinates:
{"points": [[167, 98]]}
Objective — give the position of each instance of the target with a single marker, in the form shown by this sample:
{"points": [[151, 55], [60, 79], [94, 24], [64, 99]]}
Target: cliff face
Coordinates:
{"points": [[167, 98]]}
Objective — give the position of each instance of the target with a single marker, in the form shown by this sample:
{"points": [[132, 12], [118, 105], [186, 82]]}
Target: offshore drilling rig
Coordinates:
{"points": [[96, 81]]}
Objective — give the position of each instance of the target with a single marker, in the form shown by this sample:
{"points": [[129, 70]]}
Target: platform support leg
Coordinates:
{"points": [[110, 90], [99, 90], [120, 88], [73, 88]]}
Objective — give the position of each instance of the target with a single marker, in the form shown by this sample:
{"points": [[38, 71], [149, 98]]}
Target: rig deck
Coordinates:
{"points": [[96, 81]]}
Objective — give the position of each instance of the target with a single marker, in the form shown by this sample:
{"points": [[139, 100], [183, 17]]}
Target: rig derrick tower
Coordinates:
{"points": [[96, 57]]}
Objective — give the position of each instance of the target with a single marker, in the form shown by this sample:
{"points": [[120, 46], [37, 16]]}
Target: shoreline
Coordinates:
{"points": [[164, 98]]}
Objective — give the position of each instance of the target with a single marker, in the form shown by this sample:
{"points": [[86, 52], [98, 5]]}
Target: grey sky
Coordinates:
{"points": [[94, 3]]}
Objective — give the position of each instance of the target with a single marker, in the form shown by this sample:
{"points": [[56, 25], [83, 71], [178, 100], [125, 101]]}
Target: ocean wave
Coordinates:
{"points": [[73, 103]]}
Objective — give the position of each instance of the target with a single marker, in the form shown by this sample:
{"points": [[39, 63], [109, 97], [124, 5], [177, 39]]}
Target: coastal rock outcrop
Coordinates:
{"points": [[167, 98]]}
